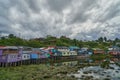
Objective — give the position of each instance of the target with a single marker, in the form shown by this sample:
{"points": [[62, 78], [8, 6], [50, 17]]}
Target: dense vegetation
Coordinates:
{"points": [[100, 56], [36, 72], [49, 40]]}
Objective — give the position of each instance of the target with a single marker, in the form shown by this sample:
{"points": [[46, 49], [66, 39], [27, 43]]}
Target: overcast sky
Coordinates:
{"points": [[80, 19]]}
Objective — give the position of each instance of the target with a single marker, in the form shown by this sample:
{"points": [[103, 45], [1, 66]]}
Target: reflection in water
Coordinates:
{"points": [[96, 72], [91, 72], [111, 72], [83, 61]]}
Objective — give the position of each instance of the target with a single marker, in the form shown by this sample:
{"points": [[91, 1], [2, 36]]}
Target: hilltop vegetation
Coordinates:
{"points": [[101, 42]]}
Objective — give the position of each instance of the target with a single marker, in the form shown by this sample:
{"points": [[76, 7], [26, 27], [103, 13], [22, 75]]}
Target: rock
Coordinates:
{"points": [[111, 67], [85, 72], [72, 76], [117, 71], [108, 76]]}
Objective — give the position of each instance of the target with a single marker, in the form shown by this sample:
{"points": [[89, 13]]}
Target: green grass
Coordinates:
{"points": [[35, 72], [100, 56]]}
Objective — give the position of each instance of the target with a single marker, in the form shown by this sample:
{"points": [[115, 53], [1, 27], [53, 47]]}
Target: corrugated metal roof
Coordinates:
{"points": [[9, 47], [74, 47]]}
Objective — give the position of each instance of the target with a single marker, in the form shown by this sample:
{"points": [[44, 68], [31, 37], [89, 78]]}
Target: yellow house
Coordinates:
{"points": [[72, 53]]}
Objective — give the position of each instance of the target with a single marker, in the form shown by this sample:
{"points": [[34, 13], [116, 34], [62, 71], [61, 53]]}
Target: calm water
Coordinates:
{"points": [[96, 72]]}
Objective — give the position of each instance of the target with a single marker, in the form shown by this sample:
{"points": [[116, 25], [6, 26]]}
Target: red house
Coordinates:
{"points": [[98, 51]]}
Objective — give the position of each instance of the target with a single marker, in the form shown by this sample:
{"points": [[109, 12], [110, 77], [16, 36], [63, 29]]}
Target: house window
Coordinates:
{"points": [[18, 55], [3, 57], [68, 53], [12, 56], [27, 56], [24, 56]]}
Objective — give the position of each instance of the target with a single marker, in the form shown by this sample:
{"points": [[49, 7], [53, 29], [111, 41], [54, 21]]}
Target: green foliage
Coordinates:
{"points": [[100, 39], [100, 56], [102, 43], [105, 64], [11, 36]]}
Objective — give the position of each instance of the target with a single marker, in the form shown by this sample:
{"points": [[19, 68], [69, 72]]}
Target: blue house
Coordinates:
{"points": [[55, 52], [85, 51], [74, 48], [90, 52], [33, 56]]}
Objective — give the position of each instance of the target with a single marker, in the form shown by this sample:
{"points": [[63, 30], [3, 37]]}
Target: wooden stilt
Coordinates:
{"points": [[18, 63], [28, 62], [6, 64], [1, 64], [10, 64], [25, 62], [13, 64]]}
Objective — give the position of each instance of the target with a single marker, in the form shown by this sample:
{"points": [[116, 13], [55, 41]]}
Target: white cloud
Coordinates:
{"points": [[81, 19]]}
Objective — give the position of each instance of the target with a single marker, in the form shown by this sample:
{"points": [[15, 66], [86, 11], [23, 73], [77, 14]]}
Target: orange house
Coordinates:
{"points": [[99, 52]]}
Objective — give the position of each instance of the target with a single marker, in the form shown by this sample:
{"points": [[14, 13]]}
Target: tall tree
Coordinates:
{"points": [[100, 39], [11, 36], [105, 39], [116, 39]]}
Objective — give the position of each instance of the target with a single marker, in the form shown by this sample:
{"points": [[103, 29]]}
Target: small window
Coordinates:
{"points": [[24, 56], [18, 55], [27, 56], [13, 56]]}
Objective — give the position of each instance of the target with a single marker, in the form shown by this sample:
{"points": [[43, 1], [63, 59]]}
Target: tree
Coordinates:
{"points": [[11, 36], [105, 39], [116, 39], [100, 39], [75, 42], [3, 38]]}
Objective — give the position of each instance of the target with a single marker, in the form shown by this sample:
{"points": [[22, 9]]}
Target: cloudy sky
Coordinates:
{"points": [[80, 19]]}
